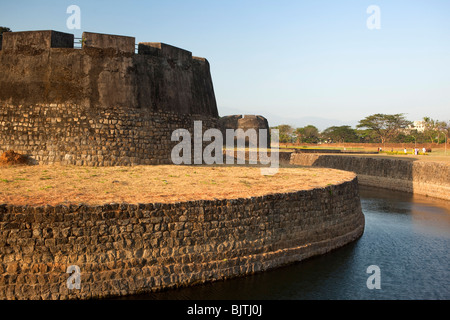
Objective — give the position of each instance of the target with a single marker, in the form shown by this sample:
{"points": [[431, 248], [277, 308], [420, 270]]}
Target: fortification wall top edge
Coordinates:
{"points": [[164, 50], [243, 116], [23, 41], [108, 41], [43, 39]]}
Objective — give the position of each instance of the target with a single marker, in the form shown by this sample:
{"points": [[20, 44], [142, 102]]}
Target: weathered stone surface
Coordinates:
{"points": [[159, 49], [36, 41], [127, 249], [108, 41], [104, 74], [92, 138], [245, 123], [101, 105], [420, 177]]}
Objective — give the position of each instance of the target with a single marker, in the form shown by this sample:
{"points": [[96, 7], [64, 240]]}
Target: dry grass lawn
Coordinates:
{"points": [[40, 185]]}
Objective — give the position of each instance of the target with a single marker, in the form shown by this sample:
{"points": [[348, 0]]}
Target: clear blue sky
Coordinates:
{"points": [[289, 59]]}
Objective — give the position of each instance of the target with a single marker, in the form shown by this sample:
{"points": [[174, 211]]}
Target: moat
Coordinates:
{"points": [[407, 237]]}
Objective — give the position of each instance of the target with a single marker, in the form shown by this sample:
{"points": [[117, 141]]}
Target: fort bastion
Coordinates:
{"points": [[103, 104], [108, 103]]}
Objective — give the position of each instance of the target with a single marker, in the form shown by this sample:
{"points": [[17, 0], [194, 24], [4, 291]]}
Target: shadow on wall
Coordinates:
{"points": [[407, 175]]}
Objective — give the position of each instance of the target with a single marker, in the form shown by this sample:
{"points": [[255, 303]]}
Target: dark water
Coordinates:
{"points": [[407, 237]]}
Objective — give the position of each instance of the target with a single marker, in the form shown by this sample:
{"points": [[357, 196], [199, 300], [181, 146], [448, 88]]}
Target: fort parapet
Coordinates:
{"points": [[246, 122], [103, 104], [427, 178]]}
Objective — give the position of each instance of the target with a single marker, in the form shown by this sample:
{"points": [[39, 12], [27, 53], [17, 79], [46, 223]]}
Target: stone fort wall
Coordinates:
{"points": [[124, 249], [103, 104], [246, 122], [426, 178]]}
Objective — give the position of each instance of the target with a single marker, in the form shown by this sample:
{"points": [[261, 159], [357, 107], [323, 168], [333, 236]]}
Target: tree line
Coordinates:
{"points": [[376, 128]]}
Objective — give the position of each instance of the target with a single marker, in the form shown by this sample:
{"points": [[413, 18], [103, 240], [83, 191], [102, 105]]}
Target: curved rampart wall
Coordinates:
{"points": [[420, 177], [128, 249]]}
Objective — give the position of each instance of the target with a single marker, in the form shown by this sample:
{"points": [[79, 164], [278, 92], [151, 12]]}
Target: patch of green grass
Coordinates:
{"points": [[246, 183], [402, 153], [208, 182]]}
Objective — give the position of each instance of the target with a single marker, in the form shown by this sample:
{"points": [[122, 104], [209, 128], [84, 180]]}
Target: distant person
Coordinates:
{"points": [[406, 151], [424, 150]]}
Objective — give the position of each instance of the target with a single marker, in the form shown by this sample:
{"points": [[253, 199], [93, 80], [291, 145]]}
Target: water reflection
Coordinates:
{"points": [[407, 236]]}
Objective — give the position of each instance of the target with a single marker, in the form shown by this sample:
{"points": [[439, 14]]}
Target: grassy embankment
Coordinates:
{"points": [[40, 185], [437, 154]]}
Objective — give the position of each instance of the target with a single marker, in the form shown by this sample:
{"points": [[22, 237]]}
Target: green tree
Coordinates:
{"points": [[366, 136], [444, 128], [307, 134], [384, 126], [413, 136], [284, 133], [435, 129], [340, 134], [431, 130], [4, 29]]}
